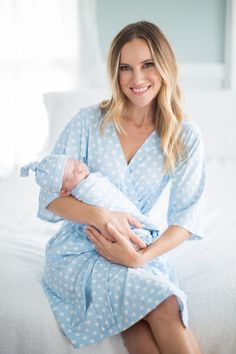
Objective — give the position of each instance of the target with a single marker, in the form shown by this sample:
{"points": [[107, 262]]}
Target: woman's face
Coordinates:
{"points": [[138, 77]]}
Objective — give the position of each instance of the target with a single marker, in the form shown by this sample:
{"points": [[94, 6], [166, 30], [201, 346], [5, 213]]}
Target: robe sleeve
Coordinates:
{"points": [[73, 142], [188, 185]]}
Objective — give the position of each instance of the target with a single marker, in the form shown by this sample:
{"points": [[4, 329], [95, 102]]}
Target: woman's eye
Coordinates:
{"points": [[124, 67], [148, 65]]}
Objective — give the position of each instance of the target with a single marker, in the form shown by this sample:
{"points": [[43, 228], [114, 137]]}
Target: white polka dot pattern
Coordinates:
{"points": [[91, 297], [97, 190]]}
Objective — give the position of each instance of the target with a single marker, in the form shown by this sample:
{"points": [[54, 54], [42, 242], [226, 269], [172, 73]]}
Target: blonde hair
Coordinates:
{"points": [[168, 111]]}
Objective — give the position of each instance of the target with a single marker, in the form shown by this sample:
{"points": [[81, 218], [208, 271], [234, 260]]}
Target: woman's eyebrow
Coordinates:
{"points": [[142, 62]]}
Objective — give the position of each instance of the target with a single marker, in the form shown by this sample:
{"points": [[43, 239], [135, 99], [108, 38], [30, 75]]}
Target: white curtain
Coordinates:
{"points": [[40, 41], [92, 70]]}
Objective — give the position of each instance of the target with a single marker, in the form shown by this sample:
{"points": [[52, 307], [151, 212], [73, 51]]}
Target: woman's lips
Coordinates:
{"points": [[139, 90]]}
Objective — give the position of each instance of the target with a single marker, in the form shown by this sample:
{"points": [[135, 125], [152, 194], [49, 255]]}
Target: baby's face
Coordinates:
{"points": [[75, 171]]}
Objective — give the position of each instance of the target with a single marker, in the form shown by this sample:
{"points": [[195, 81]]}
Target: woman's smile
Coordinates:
{"points": [[139, 79], [140, 90]]}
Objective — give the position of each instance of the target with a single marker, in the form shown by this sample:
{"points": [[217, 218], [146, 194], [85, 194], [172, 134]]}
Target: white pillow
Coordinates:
{"points": [[62, 106], [213, 111]]}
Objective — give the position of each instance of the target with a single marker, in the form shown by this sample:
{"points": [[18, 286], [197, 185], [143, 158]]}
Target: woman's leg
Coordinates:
{"points": [[194, 342], [138, 339], [167, 328]]}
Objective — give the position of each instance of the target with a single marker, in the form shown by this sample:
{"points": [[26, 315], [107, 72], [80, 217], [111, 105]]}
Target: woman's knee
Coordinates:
{"points": [[166, 311], [138, 339], [136, 329]]}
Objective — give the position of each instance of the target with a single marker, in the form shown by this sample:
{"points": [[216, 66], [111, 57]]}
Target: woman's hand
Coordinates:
{"points": [[121, 251], [121, 221]]}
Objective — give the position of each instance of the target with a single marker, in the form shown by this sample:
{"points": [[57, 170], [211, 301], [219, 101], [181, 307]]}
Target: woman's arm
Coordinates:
{"points": [[172, 237], [74, 210], [122, 252]]}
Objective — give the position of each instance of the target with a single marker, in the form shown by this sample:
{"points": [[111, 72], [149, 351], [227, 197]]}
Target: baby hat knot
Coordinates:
{"points": [[24, 171], [48, 172]]}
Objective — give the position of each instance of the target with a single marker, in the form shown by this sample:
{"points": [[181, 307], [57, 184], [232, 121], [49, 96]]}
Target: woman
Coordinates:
{"points": [[100, 285]]}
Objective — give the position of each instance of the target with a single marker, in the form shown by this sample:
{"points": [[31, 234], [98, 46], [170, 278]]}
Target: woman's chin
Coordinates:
{"points": [[141, 103]]}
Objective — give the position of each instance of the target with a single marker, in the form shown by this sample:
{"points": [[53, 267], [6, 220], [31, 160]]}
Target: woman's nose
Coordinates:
{"points": [[138, 77]]}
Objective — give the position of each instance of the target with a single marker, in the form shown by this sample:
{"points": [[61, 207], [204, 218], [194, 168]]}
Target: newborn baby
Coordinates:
{"points": [[74, 172], [65, 175]]}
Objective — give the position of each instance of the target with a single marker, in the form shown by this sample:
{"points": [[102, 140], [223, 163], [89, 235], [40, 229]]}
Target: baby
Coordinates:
{"points": [[57, 173], [75, 171], [65, 175]]}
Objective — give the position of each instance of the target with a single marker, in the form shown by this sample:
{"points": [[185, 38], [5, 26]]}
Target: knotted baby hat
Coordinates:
{"points": [[48, 172]]}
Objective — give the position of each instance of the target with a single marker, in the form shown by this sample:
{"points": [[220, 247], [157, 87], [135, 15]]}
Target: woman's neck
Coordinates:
{"points": [[138, 116]]}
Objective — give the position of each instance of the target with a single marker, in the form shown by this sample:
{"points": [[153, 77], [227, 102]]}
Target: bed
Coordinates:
{"points": [[206, 268]]}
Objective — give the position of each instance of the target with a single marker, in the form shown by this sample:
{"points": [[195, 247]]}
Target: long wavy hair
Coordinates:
{"points": [[167, 107]]}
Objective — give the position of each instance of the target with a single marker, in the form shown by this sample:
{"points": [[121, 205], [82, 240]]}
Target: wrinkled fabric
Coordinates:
{"points": [[111, 198], [91, 297]]}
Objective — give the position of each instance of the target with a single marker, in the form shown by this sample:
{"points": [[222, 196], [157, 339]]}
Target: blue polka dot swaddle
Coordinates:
{"points": [[49, 175]]}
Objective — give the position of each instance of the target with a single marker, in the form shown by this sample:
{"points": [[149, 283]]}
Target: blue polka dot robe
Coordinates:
{"points": [[91, 297], [96, 189]]}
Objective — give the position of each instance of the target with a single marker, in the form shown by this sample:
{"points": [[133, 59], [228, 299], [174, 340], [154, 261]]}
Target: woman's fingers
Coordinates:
{"points": [[130, 234], [103, 233], [121, 252], [137, 240], [96, 237], [114, 232], [133, 221], [103, 247]]}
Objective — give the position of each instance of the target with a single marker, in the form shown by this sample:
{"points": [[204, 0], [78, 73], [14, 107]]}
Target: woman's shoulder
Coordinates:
{"points": [[190, 131], [88, 115]]}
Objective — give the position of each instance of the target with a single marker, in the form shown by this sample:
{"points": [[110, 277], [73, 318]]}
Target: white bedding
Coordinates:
{"points": [[206, 271]]}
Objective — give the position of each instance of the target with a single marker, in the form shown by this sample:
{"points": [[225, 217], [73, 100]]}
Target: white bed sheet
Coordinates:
{"points": [[206, 271]]}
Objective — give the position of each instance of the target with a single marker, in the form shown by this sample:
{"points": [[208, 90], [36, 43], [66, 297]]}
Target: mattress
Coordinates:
{"points": [[206, 270]]}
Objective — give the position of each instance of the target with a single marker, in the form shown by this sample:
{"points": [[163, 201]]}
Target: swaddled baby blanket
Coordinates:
{"points": [[96, 189]]}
